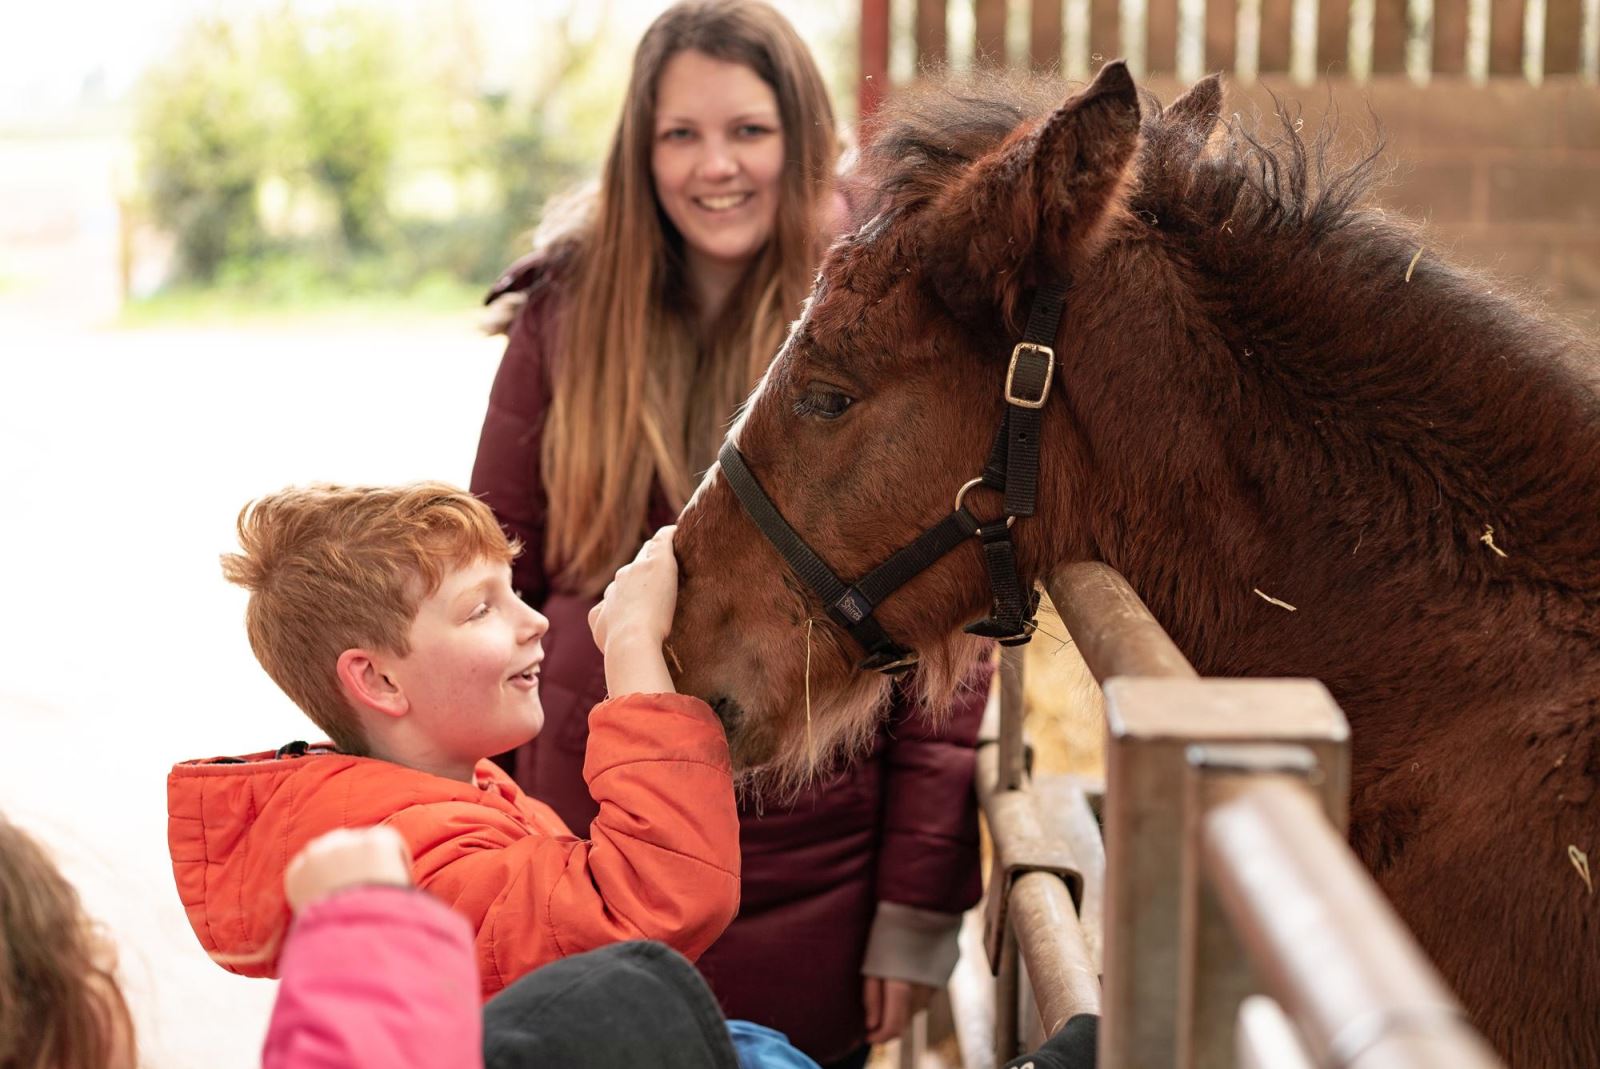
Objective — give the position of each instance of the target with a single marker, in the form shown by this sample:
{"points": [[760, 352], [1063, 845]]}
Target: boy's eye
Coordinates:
{"points": [[481, 611]]}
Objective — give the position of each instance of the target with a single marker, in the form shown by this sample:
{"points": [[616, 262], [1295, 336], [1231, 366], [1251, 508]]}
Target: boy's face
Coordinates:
{"points": [[471, 679]]}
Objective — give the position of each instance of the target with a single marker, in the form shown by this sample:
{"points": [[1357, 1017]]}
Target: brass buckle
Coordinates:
{"points": [[1049, 374]]}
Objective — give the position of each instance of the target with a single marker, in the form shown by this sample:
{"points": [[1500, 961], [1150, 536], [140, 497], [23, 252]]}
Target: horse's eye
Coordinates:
{"points": [[824, 404]]}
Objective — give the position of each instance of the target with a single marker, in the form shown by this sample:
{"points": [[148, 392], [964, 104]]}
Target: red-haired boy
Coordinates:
{"points": [[387, 615]]}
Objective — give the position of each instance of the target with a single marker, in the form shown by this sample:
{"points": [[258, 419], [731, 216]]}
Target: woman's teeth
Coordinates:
{"points": [[724, 202]]}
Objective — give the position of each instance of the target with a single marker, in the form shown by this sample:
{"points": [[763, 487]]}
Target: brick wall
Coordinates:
{"points": [[1507, 176]]}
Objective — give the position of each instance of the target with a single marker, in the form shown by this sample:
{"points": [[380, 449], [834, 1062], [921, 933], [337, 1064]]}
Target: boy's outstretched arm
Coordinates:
{"points": [[633, 618], [662, 858]]}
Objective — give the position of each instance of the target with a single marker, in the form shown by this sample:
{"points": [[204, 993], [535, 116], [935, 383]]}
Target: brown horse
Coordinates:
{"points": [[1262, 392]]}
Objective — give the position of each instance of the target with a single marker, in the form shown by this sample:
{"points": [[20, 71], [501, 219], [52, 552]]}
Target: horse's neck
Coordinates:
{"points": [[1344, 445]]}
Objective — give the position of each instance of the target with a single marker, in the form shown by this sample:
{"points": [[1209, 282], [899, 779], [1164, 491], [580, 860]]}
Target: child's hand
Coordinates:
{"points": [[639, 602], [634, 617], [346, 857]]}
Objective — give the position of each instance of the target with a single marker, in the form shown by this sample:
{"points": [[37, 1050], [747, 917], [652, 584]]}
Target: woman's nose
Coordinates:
{"points": [[718, 162]]}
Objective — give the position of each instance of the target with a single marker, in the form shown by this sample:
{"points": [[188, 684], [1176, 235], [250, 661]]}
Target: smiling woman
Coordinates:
{"points": [[640, 327], [716, 164]]}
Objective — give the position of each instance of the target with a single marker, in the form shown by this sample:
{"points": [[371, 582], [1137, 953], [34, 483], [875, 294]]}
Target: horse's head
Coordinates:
{"points": [[883, 402]]}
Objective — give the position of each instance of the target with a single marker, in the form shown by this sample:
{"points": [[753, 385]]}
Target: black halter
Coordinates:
{"points": [[1013, 469]]}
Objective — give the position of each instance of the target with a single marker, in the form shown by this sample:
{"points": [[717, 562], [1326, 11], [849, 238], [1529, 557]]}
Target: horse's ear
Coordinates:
{"points": [[1042, 199], [1176, 135], [1198, 109]]}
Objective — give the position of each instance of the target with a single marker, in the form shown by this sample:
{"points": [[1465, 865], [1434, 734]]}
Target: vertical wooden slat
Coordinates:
{"points": [[1589, 48], [1077, 44], [1533, 13], [1276, 18], [1044, 35], [1247, 42], [1134, 25], [989, 41], [932, 40], [874, 56], [1191, 39], [1303, 42], [1479, 30], [1161, 40], [1562, 34], [1333, 37], [1222, 17], [1105, 32], [1389, 20], [1505, 37], [1419, 41], [1361, 31], [1449, 36]]}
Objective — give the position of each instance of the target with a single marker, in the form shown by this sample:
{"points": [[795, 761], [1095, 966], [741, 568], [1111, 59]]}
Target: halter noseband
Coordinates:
{"points": [[1013, 469]]}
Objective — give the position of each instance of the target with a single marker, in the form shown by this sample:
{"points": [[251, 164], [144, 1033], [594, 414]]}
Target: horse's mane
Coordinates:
{"points": [[924, 138]]}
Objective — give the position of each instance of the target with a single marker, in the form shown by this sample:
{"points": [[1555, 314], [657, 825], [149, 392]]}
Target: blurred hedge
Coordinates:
{"points": [[344, 149]]}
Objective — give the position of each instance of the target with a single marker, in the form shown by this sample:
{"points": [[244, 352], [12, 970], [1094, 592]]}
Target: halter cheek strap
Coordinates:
{"points": [[1012, 469]]}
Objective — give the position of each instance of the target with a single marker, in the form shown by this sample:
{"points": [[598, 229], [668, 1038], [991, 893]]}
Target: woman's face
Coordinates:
{"points": [[717, 157]]}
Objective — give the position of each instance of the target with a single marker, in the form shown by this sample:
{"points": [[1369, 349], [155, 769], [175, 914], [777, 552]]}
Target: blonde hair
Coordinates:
{"points": [[639, 399], [60, 1006], [332, 568]]}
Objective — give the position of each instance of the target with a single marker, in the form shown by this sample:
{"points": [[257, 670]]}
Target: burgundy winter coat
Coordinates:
{"points": [[899, 827]]}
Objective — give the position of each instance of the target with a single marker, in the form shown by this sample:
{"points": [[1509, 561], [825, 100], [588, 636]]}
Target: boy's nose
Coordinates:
{"points": [[534, 624]]}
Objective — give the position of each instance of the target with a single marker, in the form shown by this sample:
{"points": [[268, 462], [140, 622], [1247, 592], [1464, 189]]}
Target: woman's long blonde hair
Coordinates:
{"points": [[640, 391]]}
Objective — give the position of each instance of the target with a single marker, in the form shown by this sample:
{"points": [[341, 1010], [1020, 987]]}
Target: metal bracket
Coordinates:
{"points": [[1020, 847]]}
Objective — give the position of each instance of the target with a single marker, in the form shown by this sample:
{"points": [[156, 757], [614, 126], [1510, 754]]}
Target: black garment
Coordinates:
{"points": [[1070, 1048], [855, 1060], [619, 1007]]}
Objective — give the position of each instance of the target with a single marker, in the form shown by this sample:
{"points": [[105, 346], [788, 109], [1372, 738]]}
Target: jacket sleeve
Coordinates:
{"points": [[927, 868], [506, 473], [662, 861], [376, 977]]}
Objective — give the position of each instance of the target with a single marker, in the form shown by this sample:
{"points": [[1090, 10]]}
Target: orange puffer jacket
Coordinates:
{"points": [[662, 860]]}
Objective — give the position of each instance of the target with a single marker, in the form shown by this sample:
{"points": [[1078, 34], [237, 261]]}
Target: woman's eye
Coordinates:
{"points": [[824, 404], [677, 133], [750, 131]]}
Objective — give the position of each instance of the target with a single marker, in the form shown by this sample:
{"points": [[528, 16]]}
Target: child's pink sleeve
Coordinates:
{"points": [[377, 976]]}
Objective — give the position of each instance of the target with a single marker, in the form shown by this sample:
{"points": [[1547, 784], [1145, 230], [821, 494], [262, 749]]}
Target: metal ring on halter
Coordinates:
{"points": [[968, 485]]}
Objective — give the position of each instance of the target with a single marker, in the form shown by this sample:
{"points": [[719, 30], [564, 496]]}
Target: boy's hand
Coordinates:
{"points": [[346, 857], [635, 615]]}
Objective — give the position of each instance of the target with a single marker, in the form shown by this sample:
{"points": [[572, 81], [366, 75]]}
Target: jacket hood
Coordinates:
{"points": [[234, 823]]}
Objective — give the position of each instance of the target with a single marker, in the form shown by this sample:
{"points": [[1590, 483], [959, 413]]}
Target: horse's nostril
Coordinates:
{"points": [[729, 712]]}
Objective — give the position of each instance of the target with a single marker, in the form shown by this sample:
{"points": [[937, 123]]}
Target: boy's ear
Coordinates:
{"points": [[366, 685]]}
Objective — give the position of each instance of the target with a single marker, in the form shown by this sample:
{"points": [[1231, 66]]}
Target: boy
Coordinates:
{"points": [[388, 616]]}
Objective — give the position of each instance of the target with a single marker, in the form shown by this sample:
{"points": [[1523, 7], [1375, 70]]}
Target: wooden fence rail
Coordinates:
{"points": [[1233, 926]]}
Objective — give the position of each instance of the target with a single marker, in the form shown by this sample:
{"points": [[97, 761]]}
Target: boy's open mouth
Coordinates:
{"points": [[529, 674]]}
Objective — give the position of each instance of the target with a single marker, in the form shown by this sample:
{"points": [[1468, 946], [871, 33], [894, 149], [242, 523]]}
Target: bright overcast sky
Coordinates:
{"points": [[50, 49]]}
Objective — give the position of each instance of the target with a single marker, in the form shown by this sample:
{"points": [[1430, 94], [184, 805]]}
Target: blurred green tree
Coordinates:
{"points": [[204, 147], [340, 73]]}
